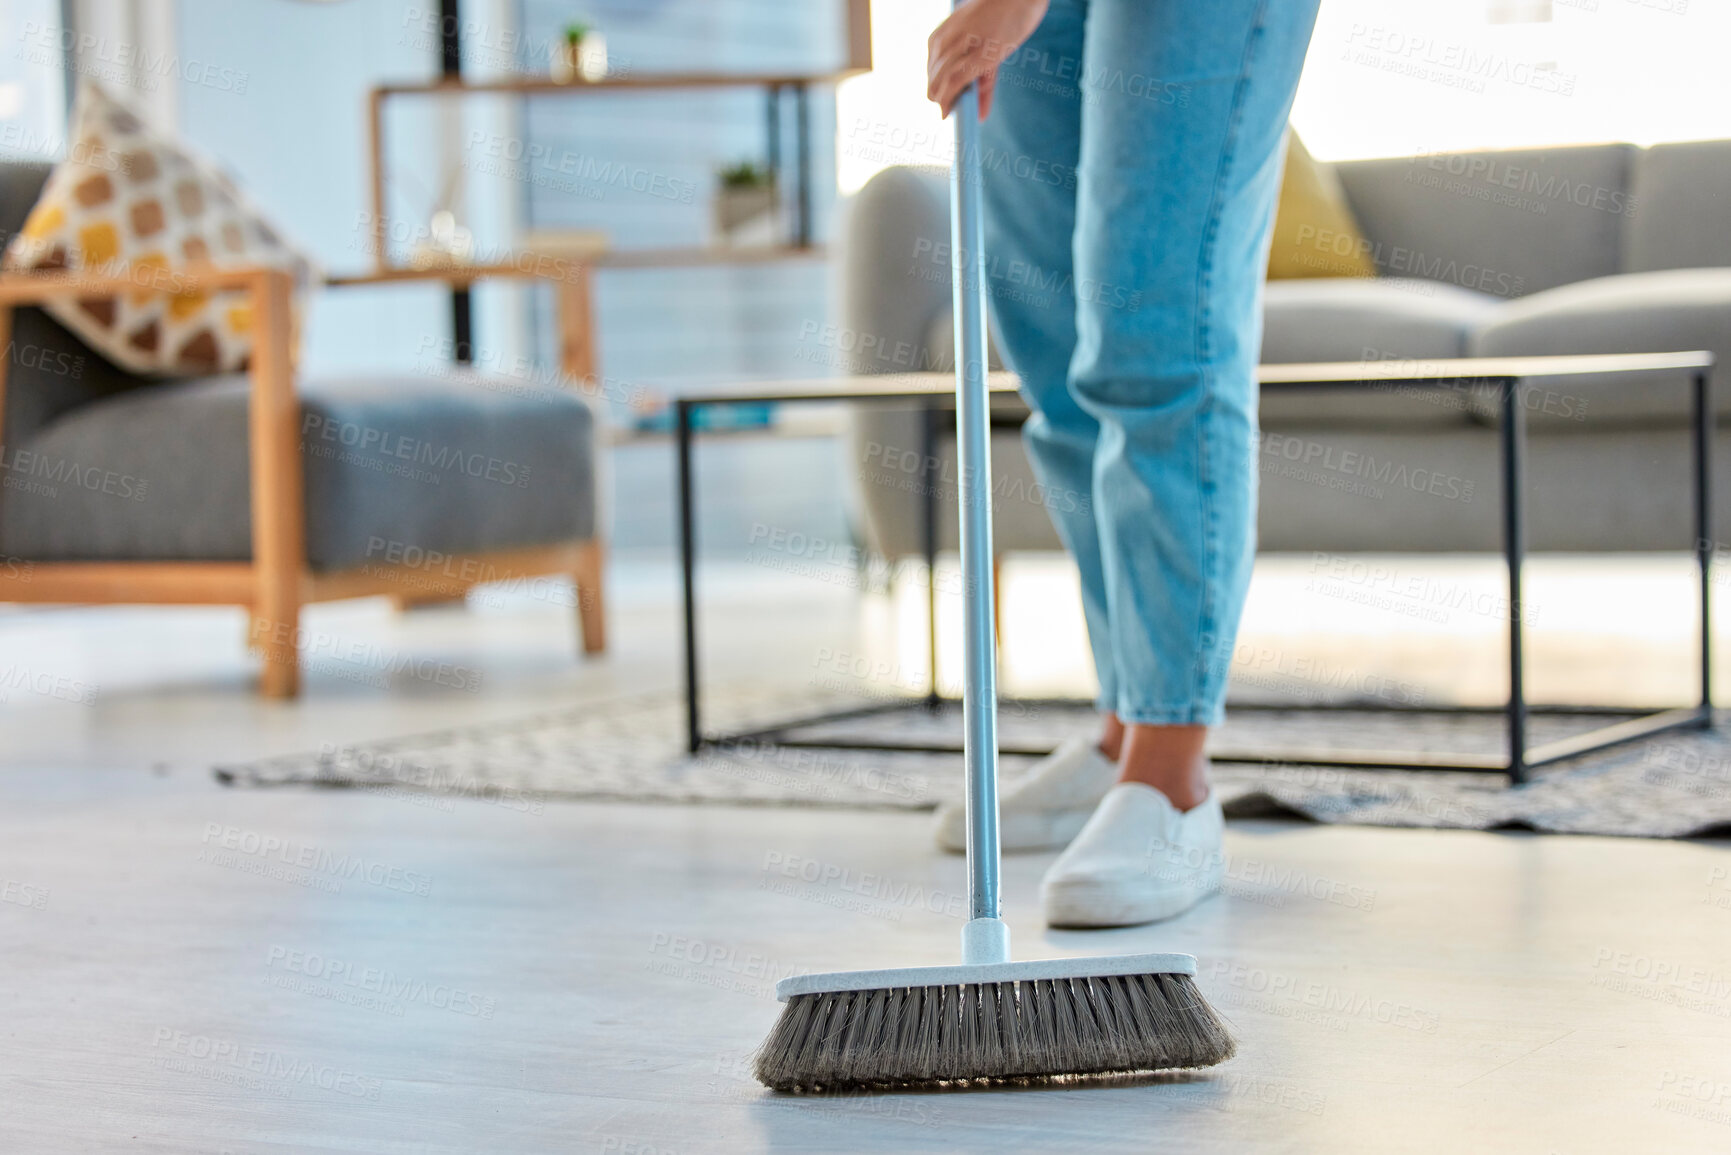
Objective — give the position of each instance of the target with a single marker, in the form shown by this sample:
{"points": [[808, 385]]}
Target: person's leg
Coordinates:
{"points": [[1030, 146], [1182, 132]]}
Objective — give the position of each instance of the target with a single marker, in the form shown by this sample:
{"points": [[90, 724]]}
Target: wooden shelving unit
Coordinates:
{"points": [[856, 22], [627, 80]]}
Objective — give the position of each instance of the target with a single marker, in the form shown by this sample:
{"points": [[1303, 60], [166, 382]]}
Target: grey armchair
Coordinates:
{"points": [[269, 492]]}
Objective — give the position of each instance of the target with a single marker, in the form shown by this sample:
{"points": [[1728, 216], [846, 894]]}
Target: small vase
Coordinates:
{"points": [[583, 60]]}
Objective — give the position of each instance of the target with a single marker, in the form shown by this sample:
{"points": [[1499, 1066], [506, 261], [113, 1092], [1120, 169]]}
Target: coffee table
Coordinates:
{"points": [[1510, 377]]}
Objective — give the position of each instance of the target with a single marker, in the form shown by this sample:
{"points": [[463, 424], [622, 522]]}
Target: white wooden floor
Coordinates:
{"points": [[185, 967]]}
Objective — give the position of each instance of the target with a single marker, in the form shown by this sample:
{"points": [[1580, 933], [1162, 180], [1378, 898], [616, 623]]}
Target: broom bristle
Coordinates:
{"points": [[1022, 1030]]}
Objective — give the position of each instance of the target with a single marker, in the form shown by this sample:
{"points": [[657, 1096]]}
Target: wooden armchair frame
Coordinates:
{"points": [[277, 583]]}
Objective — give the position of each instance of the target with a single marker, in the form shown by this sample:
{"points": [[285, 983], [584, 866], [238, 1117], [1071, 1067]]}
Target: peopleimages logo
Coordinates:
{"points": [[114, 59], [340, 974], [256, 1068], [57, 686], [33, 472], [1320, 456], [1663, 980], [53, 361], [1006, 277], [1398, 259], [1519, 185], [16, 138], [334, 868], [386, 443], [540, 160], [862, 884], [23, 894], [1457, 64], [723, 966], [1338, 1005]]}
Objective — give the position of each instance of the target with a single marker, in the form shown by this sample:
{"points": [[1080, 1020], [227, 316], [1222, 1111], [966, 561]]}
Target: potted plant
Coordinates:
{"points": [[745, 204], [580, 54]]}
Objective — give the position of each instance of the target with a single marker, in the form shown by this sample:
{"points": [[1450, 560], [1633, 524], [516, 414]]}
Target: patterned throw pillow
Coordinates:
{"points": [[130, 202]]}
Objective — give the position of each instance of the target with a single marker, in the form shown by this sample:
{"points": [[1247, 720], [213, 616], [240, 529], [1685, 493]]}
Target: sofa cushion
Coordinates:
{"points": [[1353, 319], [1505, 223], [129, 201], [1658, 312], [1680, 217], [455, 466], [1366, 320]]}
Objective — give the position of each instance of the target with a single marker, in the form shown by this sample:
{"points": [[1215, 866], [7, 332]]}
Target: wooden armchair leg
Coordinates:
{"points": [[278, 496], [276, 636], [591, 603]]}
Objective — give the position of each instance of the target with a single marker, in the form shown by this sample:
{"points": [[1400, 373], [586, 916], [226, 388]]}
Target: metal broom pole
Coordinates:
{"points": [[983, 941]]}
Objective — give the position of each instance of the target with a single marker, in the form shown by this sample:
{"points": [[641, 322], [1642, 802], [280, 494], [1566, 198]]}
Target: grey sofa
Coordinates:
{"points": [[116, 488], [1604, 249]]}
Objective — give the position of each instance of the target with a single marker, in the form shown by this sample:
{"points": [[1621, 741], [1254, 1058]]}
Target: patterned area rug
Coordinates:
{"points": [[1670, 786]]}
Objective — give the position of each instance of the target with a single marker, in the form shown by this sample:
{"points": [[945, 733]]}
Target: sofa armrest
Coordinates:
{"points": [[894, 283], [273, 431], [895, 271]]}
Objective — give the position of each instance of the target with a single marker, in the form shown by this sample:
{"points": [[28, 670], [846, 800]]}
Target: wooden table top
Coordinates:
{"points": [[1318, 375]]}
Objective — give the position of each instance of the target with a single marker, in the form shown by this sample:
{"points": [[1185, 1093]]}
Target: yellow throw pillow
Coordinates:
{"points": [[129, 202], [1315, 234]]}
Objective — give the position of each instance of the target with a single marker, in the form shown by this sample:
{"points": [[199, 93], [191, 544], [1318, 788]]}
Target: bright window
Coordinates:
{"points": [[1394, 78], [1397, 77], [32, 80]]}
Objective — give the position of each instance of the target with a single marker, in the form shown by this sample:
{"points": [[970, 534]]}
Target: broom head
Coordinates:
{"points": [[998, 1021]]}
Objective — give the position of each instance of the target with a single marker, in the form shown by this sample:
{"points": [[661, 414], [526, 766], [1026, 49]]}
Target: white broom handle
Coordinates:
{"points": [[973, 445]]}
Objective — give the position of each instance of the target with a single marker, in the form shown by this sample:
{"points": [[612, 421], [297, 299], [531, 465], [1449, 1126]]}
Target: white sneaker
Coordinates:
{"points": [[1044, 810], [1137, 860]]}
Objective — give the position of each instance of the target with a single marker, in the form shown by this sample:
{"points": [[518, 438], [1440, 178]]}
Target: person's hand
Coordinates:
{"points": [[971, 43]]}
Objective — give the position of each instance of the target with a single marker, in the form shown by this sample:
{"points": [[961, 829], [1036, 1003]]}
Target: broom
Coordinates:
{"points": [[990, 1018]]}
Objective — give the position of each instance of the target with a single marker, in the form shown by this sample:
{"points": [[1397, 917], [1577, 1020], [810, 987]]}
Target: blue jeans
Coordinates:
{"points": [[1131, 163]]}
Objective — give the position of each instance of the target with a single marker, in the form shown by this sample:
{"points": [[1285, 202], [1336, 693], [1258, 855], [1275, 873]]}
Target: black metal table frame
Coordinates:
{"points": [[1521, 758]]}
